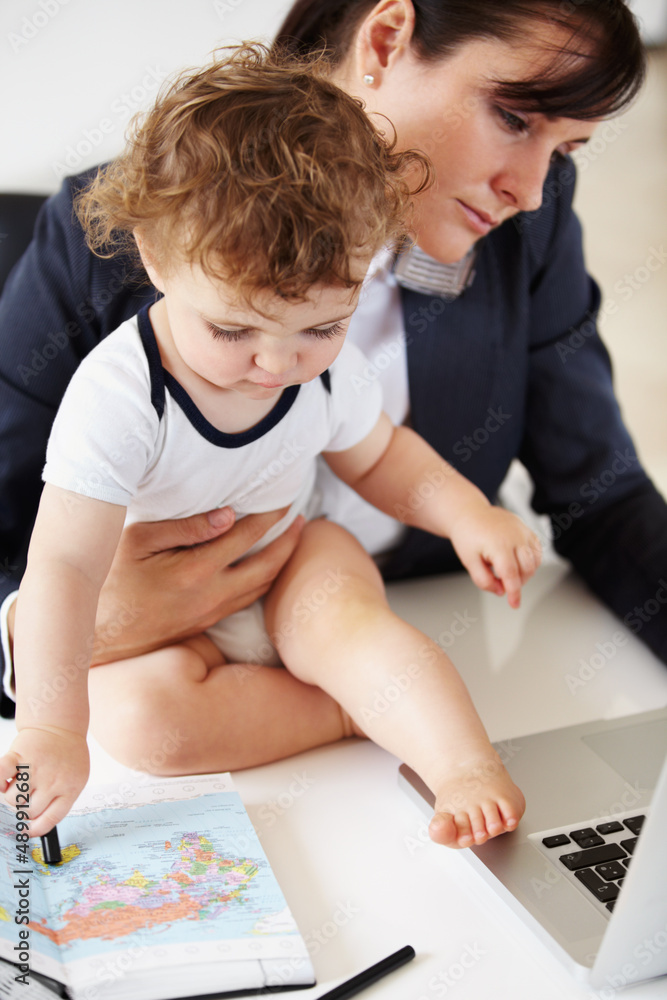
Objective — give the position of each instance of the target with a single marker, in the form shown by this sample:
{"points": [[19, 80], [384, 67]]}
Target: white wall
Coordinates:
{"points": [[652, 15], [71, 72]]}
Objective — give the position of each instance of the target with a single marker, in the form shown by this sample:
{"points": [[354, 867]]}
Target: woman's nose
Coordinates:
{"points": [[521, 182]]}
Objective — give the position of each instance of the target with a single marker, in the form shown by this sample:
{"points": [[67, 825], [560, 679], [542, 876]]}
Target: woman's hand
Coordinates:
{"points": [[53, 767], [499, 551], [171, 580]]}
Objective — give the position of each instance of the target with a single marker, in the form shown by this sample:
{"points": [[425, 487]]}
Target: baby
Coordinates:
{"points": [[255, 193]]}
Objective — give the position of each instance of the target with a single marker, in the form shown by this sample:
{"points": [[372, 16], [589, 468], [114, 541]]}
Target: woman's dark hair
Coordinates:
{"points": [[597, 71]]}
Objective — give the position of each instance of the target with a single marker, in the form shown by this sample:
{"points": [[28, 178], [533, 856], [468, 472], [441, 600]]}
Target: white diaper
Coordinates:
{"points": [[242, 637]]}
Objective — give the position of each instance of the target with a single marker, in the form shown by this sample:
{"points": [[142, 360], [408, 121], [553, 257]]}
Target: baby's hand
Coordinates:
{"points": [[499, 551], [57, 764]]}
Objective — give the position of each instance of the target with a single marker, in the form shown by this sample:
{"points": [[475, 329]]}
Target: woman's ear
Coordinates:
{"points": [[147, 260], [382, 37]]}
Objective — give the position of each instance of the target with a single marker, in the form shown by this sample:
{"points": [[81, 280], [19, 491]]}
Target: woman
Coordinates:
{"points": [[484, 382]]}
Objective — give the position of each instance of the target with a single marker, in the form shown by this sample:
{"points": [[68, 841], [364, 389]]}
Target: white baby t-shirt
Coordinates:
{"points": [[128, 433]]}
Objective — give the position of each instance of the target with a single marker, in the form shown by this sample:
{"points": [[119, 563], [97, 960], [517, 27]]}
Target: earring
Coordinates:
{"points": [[369, 79]]}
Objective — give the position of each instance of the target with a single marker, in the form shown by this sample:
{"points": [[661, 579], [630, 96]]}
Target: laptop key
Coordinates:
{"points": [[583, 834], [611, 871], [558, 840], [613, 827], [604, 891], [594, 841], [592, 856], [634, 824], [630, 845]]}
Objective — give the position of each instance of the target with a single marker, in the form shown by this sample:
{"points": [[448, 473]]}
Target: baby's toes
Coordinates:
{"points": [[466, 836], [442, 829], [495, 822], [511, 811], [479, 825]]}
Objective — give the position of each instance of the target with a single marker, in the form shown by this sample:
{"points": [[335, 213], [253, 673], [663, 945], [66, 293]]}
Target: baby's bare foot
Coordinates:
{"points": [[474, 801]]}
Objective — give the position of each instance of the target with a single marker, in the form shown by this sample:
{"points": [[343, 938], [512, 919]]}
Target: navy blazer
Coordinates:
{"points": [[513, 368]]}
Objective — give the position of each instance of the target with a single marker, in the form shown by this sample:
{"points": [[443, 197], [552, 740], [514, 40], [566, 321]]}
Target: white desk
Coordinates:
{"points": [[351, 851]]}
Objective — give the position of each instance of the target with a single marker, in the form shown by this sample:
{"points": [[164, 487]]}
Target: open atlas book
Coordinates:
{"points": [[163, 892]]}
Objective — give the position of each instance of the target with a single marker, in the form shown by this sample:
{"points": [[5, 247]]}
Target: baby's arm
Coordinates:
{"points": [[71, 549], [399, 473]]}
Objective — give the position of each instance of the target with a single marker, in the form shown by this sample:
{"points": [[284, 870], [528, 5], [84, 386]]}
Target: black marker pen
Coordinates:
{"points": [[51, 847]]}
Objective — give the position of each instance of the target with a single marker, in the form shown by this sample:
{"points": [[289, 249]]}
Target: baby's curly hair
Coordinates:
{"points": [[259, 170]]}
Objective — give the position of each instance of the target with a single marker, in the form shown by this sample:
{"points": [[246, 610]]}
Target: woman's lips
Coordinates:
{"points": [[480, 221]]}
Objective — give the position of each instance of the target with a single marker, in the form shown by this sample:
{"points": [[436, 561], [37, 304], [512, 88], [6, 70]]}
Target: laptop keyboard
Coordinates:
{"points": [[597, 855]]}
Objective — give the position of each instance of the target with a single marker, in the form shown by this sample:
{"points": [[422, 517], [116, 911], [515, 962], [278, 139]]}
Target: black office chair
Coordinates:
{"points": [[17, 220]]}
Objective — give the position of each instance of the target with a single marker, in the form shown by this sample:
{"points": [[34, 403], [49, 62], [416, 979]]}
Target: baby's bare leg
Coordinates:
{"points": [[183, 710], [329, 618]]}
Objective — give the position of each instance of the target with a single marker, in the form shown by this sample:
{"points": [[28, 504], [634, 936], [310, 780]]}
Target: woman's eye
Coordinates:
{"points": [[511, 121], [325, 332]]}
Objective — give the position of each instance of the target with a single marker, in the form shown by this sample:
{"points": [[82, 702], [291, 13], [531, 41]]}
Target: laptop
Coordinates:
{"points": [[586, 869]]}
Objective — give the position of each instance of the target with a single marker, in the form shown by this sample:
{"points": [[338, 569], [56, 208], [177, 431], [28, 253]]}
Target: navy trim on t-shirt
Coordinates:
{"points": [[162, 380], [155, 369]]}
